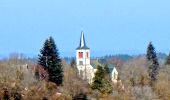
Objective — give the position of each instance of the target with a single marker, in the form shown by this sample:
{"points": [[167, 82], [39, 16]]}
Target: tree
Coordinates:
{"points": [[6, 95], [74, 67], [151, 54], [106, 68], [168, 60], [73, 63], [98, 79], [51, 62], [36, 74], [100, 83], [153, 62], [107, 72]]}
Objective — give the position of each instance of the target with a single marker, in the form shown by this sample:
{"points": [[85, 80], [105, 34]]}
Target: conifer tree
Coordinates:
{"points": [[100, 83], [168, 60], [51, 62], [107, 72], [98, 79], [153, 62], [106, 68], [151, 54]]}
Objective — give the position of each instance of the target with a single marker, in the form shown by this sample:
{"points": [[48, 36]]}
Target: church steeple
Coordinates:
{"points": [[82, 44], [83, 59]]}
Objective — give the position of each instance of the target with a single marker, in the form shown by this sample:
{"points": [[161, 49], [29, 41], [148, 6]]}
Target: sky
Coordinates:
{"points": [[110, 26]]}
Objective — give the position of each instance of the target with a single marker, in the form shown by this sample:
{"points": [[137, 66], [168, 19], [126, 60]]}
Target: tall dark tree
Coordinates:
{"points": [[168, 60], [107, 72], [50, 60], [106, 68], [98, 79], [153, 62], [100, 82]]}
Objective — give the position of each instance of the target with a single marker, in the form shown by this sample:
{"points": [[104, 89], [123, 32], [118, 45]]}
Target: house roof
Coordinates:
{"points": [[82, 44]]}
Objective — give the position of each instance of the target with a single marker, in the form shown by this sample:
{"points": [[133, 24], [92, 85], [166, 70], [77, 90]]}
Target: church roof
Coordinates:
{"points": [[82, 44]]}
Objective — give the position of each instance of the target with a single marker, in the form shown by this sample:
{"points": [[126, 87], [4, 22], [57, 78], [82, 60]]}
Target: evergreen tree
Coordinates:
{"points": [[107, 70], [151, 54], [100, 83], [168, 60], [51, 62], [98, 79], [153, 62]]}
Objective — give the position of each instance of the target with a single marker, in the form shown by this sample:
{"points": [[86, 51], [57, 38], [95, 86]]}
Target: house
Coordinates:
{"points": [[86, 68]]}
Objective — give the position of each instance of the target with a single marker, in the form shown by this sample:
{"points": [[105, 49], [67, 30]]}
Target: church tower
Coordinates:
{"points": [[85, 70], [83, 57]]}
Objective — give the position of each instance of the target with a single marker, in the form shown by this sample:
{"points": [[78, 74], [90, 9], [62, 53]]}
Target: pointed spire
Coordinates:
{"points": [[82, 42]]}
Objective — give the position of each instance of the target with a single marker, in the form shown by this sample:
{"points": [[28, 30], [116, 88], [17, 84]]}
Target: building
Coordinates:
{"points": [[86, 68], [83, 60]]}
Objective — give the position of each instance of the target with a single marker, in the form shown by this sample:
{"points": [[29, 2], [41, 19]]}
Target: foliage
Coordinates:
{"points": [[28, 88], [80, 97], [135, 80], [153, 62], [37, 74], [73, 63], [50, 60], [162, 85], [17, 82], [100, 83], [73, 86], [168, 60], [151, 54], [98, 79], [107, 74], [134, 73], [106, 69]]}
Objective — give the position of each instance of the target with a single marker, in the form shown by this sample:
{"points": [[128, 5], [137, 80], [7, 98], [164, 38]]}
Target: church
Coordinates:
{"points": [[86, 68]]}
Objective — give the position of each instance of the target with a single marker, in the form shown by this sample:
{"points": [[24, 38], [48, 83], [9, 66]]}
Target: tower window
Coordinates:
{"points": [[80, 54], [80, 62], [87, 54]]}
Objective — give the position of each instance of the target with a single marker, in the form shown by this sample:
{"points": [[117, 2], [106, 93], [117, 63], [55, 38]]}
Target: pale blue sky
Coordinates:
{"points": [[110, 26]]}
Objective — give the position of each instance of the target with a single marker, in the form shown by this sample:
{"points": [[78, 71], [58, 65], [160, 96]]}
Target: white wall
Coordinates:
{"points": [[86, 61]]}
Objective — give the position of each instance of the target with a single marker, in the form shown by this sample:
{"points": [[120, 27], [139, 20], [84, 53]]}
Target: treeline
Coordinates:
{"points": [[122, 57], [52, 78]]}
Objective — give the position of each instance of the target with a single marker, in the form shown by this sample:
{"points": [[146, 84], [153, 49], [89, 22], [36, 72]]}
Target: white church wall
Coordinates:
{"points": [[85, 60], [114, 75]]}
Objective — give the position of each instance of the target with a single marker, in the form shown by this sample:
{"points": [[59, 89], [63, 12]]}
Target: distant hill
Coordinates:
{"points": [[123, 57], [161, 56]]}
